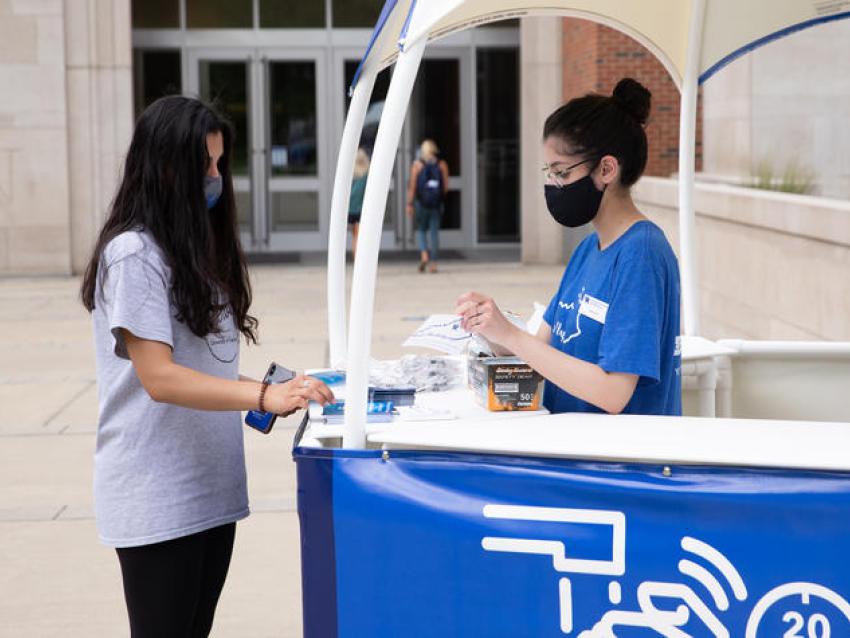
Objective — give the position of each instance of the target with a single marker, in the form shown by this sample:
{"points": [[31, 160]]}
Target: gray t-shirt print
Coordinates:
{"points": [[224, 346], [161, 471]]}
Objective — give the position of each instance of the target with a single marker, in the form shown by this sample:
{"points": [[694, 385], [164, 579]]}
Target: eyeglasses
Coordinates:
{"points": [[559, 176]]}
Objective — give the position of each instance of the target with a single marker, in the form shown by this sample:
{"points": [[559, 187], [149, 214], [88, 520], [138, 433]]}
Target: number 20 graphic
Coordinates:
{"points": [[815, 626]]}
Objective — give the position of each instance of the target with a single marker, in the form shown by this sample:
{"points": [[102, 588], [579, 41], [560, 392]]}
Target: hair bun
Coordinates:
{"points": [[633, 97]]}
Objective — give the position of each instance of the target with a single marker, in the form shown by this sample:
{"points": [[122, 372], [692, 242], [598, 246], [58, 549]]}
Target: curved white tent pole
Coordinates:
{"points": [[369, 243], [339, 217], [687, 173]]}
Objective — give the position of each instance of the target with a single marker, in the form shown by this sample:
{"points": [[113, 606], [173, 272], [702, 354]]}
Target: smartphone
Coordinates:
{"points": [[263, 421]]}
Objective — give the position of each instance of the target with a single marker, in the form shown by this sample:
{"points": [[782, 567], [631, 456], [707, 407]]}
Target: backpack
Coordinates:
{"points": [[429, 185]]}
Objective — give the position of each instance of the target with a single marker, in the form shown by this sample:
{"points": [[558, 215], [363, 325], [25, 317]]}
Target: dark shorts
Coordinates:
{"points": [[353, 218]]}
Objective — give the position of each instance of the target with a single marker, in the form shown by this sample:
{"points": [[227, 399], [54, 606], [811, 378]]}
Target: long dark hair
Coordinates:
{"points": [[596, 125], [162, 191]]}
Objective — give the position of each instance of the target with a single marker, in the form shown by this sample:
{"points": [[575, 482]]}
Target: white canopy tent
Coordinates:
{"points": [[693, 39]]}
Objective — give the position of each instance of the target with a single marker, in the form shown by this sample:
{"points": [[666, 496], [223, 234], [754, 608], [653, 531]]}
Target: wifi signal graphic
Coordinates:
{"points": [[708, 580]]}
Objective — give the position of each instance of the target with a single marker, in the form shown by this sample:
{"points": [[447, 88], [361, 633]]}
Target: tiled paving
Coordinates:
{"points": [[55, 579]]}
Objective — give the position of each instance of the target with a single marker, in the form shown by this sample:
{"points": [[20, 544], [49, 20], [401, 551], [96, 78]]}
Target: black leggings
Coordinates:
{"points": [[172, 588]]}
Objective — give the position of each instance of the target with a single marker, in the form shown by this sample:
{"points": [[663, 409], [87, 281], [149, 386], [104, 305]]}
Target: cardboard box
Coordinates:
{"points": [[504, 383]]}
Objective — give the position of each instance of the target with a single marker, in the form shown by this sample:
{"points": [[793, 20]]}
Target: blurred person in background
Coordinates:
{"points": [[355, 201], [426, 196]]}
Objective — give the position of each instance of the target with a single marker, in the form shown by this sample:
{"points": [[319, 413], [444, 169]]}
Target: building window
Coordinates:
{"points": [[220, 14], [156, 14], [156, 73], [292, 92], [225, 84], [292, 14], [356, 14]]}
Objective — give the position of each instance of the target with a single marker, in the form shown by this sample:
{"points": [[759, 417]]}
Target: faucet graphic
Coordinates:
{"points": [[616, 566], [665, 622]]}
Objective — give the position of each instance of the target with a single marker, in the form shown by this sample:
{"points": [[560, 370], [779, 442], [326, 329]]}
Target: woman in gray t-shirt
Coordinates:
{"points": [[169, 294]]}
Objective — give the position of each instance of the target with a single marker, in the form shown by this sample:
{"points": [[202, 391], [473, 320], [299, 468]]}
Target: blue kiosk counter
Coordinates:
{"points": [[579, 525]]}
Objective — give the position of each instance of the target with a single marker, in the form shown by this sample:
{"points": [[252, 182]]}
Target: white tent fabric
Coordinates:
{"points": [[692, 38], [729, 27]]}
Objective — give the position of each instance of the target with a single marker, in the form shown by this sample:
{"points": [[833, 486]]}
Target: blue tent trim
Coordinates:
{"points": [[389, 5], [755, 44], [406, 26]]}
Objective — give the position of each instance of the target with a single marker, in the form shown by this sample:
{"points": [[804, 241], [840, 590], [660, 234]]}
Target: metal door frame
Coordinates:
{"points": [[295, 240], [329, 47], [191, 59], [259, 182]]}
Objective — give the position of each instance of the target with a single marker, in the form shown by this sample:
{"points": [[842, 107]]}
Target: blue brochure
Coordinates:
{"points": [[376, 412]]}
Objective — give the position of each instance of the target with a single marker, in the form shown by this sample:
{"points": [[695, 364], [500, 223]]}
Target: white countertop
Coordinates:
{"points": [[663, 440], [624, 438]]}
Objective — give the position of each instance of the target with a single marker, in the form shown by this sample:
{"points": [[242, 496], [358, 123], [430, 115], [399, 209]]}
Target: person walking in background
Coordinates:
{"points": [[355, 201], [426, 195], [169, 294]]}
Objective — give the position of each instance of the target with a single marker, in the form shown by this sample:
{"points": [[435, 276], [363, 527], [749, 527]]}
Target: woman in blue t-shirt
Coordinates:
{"points": [[610, 337]]}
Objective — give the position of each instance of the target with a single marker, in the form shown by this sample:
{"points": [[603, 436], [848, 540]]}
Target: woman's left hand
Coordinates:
{"points": [[480, 315]]}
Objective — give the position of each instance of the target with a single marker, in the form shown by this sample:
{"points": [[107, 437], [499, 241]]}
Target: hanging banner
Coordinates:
{"points": [[455, 544]]}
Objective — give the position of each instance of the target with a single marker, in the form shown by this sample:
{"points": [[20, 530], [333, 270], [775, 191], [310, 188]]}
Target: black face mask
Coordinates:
{"points": [[574, 204]]}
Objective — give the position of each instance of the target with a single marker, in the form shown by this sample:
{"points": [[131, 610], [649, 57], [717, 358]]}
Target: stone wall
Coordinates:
{"points": [[99, 80], [540, 94], [34, 190], [770, 265], [786, 103], [65, 121]]}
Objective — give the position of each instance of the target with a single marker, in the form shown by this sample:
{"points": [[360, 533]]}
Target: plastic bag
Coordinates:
{"points": [[426, 374]]}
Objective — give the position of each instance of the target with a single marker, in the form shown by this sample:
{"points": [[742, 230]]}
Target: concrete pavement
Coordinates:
{"points": [[55, 578]]}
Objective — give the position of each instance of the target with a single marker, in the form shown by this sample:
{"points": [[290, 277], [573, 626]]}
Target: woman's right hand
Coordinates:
{"points": [[286, 398]]}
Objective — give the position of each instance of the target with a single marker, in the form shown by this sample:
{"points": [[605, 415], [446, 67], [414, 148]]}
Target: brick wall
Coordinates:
{"points": [[596, 57]]}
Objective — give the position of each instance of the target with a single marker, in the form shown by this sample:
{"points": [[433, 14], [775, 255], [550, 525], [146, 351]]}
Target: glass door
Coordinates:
{"points": [[297, 163], [275, 100], [441, 109], [497, 138], [225, 79]]}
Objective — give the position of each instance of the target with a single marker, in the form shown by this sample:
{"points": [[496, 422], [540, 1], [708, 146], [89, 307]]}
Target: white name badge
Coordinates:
{"points": [[593, 308]]}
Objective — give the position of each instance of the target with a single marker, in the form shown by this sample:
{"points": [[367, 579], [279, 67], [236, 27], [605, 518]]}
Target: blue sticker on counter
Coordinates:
{"points": [[455, 544], [329, 377]]}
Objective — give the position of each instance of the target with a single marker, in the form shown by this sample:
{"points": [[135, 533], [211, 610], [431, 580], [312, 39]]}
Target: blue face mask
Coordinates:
{"points": [[212, 190]]}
